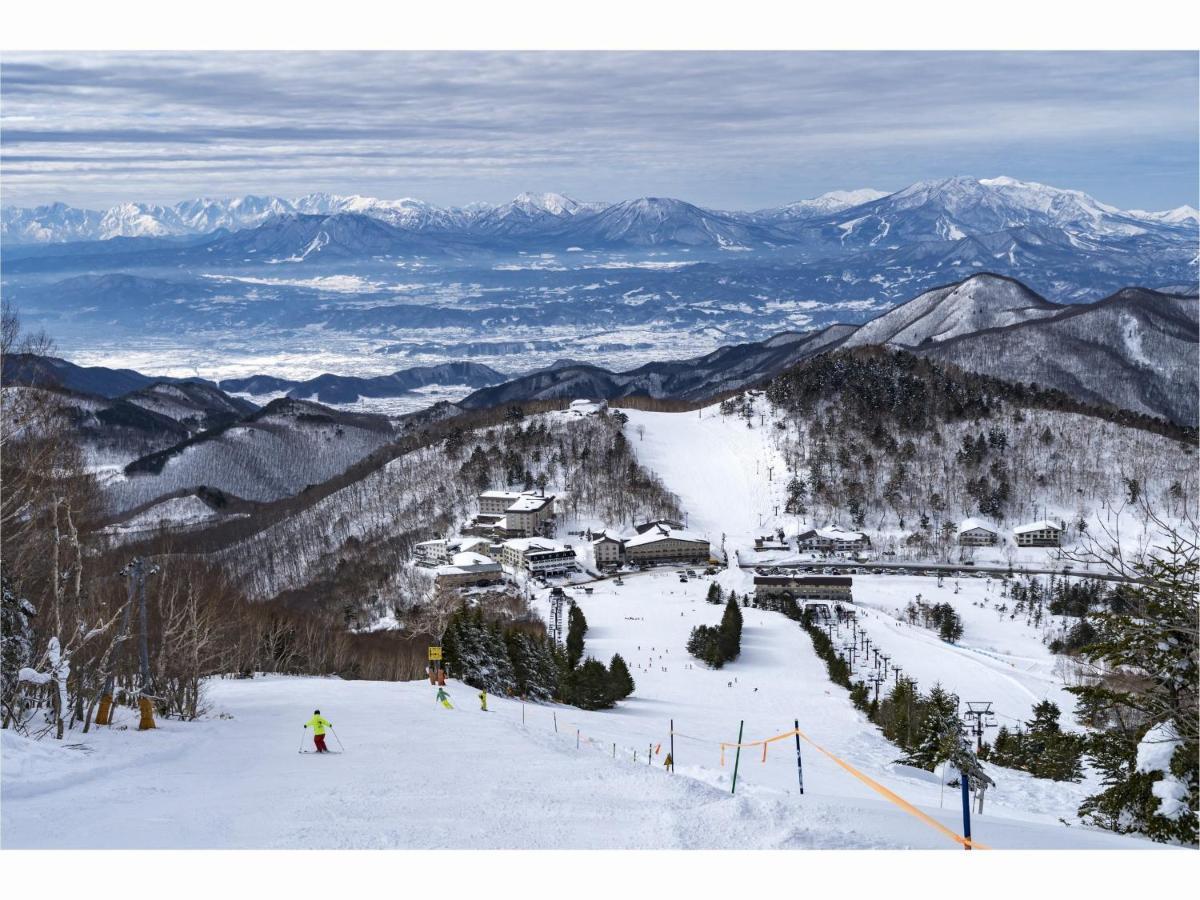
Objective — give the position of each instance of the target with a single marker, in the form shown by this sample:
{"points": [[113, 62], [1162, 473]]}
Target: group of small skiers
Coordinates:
{"points": [[443, 698], [319, 724]]}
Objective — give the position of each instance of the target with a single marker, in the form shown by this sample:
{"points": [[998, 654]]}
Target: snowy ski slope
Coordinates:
{"points": [[419, 776]]}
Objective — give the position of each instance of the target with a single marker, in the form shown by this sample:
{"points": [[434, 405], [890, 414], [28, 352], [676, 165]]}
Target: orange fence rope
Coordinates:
{"points": [[874, 785]]}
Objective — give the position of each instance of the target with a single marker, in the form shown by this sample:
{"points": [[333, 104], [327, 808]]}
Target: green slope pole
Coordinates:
{"points": [[737, 756]]}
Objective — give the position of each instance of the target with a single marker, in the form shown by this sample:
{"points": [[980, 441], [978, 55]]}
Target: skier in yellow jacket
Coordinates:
{"points": [[318, 723]]}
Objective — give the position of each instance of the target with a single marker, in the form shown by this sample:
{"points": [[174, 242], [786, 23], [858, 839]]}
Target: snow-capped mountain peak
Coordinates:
{"points": [[1180, 215], [974, 304], [555, 204], [835, 201]]}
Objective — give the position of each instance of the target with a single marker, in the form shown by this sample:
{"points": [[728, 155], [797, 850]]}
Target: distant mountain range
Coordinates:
{"points": [[1136, 350], [202, 395], [841, 245], [348, 388], [944, 209]]}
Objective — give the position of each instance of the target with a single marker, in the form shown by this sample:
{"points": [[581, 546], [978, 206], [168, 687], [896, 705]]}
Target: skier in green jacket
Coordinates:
{"points": [[483, 700], [318, 723], [443, 698]]}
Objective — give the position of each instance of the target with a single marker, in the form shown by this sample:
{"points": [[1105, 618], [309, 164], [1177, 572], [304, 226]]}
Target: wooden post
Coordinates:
{"points": [[555, 714], [576, 738], [737, 756], [104, 716], [799, 763], [145, 704]]}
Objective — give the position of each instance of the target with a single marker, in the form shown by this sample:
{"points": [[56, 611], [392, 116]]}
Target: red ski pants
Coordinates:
{"points": [[319, 740]]}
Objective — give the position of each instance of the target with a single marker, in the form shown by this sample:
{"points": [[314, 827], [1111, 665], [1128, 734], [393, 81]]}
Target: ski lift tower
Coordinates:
{"points": [[557, 597], [981, 717]]}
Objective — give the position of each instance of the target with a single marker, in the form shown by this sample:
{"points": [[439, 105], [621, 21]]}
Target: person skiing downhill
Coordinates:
{"points": [[318, 723], [483, 701], [443, 698]]}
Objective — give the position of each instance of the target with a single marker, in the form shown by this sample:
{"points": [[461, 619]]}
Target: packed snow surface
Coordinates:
{"points": [[417, 775]]}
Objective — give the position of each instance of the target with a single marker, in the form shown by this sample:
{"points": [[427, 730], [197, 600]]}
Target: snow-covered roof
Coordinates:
{"points": [[585, 407], [529, 503], [483, 568], [467, 543], [534, 545], [469, 559], [434, 543], [833, 533], [1037, 526], [607, 536], [971, 524], [501, 495], [663, 533]]}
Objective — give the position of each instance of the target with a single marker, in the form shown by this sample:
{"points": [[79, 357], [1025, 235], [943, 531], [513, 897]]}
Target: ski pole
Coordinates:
{"points": [[303, 735], [336, 738]]}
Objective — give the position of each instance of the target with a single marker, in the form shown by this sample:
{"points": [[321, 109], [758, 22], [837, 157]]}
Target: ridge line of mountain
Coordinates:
{"points": [[548, 212]]}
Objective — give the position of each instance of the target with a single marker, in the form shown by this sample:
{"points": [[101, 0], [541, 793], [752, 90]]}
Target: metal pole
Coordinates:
{"points": [[672, 746], [737, 757], [799, 762], [966, 801], [555, 714]]}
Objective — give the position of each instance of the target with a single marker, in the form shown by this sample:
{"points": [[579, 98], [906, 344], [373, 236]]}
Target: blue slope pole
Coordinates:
{"points": [[966, 800]]}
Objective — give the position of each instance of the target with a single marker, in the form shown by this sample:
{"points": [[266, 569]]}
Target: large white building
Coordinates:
{"points": [[439, 552], [974, 533], [1038, 534], [831, 540], [608, 549], [661, 543], [468, 570], [515, 512], [538, 556]]}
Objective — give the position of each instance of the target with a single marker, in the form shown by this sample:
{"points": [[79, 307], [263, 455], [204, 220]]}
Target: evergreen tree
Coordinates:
{"points": [[730, 632], [576, 629], [900, 714], [962, 757], [704, 643], [950, 628], [536, 665], [714, 593], [619, 677], [940, 731], [16, 637], [588, 686], [1146, 659]]}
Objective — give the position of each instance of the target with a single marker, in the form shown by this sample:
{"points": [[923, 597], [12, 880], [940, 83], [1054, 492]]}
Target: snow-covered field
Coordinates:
{"points": [[416, 775]]}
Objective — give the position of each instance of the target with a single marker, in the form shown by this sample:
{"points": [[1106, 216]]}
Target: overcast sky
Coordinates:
{"points": [[724, 130]]}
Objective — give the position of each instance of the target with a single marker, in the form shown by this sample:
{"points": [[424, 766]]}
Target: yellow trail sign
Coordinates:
{"points": [[435, 654]]}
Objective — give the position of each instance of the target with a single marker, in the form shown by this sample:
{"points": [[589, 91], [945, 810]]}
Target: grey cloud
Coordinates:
{"points": [[727, 129]]}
